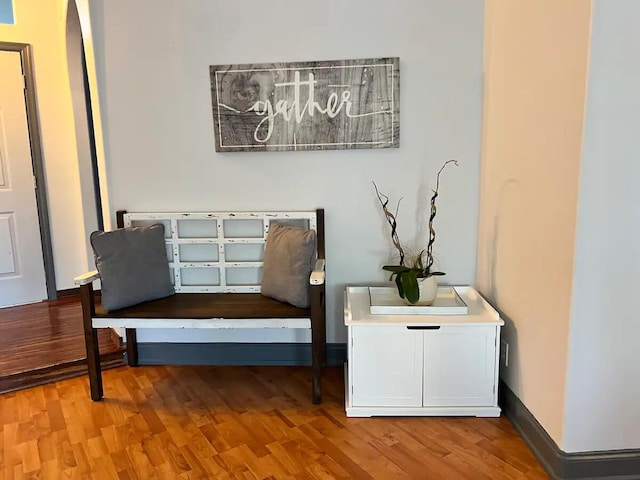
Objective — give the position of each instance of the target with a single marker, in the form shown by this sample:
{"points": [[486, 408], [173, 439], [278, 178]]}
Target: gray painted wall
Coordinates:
{"points": [[153, 60], [602, 405]]}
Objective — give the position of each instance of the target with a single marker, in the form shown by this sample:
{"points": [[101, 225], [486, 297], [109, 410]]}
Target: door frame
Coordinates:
{"points": [[33, 122]]}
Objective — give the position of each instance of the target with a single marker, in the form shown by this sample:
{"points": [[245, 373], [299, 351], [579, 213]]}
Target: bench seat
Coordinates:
{"points": [[206, 310]]}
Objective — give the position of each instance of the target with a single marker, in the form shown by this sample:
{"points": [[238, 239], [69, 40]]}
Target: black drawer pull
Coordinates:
{"points": [[424, 327]]}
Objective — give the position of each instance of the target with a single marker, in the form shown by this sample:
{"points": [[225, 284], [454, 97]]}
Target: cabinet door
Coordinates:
{"points": [[386, 366], [459, 366]]}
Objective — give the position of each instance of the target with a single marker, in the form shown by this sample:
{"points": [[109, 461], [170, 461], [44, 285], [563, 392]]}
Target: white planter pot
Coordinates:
{"points": [[428, 291]]}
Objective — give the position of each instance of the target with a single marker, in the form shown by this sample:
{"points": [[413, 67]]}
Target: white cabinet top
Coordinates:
{"points": [[357, 311]]}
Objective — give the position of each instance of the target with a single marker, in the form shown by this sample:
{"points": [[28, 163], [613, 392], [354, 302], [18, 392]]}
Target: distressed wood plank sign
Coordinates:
{"points": [[306, 105]]}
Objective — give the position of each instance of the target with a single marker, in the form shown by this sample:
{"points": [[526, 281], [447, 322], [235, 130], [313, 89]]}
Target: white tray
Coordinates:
{"points": [[386, 301]]}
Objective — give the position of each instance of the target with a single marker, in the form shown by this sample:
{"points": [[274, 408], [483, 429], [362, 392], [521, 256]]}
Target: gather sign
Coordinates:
{"points": [[306, 105]]}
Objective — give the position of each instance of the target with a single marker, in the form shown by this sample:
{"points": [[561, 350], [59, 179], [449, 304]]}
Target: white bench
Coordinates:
{"points": [[217, 284]]}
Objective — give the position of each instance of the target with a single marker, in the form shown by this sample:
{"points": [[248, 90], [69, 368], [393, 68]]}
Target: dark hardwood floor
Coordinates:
{"points": [[44, 342], [216, 422]]}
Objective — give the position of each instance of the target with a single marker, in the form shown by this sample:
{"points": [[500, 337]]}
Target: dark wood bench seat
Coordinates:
{"points": [[205, 306], [216, 306]]}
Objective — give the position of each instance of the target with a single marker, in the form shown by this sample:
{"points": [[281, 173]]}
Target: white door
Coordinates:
{"points": [[459, 366], [386, 363], [22, 276]]}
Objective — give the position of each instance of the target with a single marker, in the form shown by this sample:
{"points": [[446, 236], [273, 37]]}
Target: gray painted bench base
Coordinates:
{"points": [[210, 306]]}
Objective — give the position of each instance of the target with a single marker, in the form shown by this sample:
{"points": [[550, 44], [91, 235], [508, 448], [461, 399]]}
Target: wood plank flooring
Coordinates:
{"points": [[218, 422], [44, 341], [239, 423]]}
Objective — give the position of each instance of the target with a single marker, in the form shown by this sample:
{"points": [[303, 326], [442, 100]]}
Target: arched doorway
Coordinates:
{"points": [[84, 121]]}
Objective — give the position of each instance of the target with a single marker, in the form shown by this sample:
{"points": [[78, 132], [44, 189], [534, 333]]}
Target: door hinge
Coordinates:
{"points": [[35, 182], [24, 82]]}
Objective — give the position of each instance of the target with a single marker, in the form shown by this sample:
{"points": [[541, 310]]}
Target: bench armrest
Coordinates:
{"points": [[86, 278], [317, 275]]}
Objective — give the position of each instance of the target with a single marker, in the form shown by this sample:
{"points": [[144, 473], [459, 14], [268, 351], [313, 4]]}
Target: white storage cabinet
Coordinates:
{"points": [[421, 364]]}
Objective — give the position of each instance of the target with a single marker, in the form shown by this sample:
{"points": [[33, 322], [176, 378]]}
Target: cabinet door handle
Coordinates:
{"points": [[423, 327]]}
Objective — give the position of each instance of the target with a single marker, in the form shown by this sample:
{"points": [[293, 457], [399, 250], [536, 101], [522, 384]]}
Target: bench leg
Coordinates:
{"points": [[91, 342], [318, 340], [132, 347]]}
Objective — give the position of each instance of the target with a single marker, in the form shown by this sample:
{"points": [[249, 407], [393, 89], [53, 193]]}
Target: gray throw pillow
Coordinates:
{"points": [[289, 254], [133, 265]]}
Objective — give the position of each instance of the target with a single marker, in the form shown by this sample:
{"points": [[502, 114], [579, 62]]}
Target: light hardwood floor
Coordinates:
{"points": [[239, 423], [215, 422]]}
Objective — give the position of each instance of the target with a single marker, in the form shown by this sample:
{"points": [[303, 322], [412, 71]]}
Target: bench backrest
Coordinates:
{"points": [[220, 251]]}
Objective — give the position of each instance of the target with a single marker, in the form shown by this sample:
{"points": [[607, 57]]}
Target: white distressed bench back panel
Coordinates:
{"points": [[218, 251]]}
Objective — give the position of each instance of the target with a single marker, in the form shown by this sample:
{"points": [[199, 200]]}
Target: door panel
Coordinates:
{"points": [[22, 277], [7, 253], [387, 366], [459, 366]]}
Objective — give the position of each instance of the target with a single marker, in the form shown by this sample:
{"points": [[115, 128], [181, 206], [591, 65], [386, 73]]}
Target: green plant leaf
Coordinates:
{"points": [[396, 268], [399, 285], [409, 282]]}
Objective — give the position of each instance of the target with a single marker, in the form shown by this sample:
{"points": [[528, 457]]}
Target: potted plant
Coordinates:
{"points": [[413, 270]]}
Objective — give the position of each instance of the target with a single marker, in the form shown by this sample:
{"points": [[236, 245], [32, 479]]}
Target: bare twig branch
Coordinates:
{"points": [[391, 219], [424, 261], [432, 232]]}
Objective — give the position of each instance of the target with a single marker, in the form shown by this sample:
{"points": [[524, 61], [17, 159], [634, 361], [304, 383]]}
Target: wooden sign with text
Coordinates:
{"points": [[306, 105]]}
